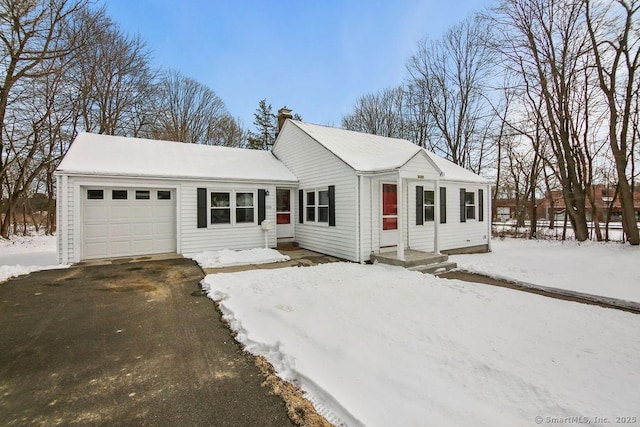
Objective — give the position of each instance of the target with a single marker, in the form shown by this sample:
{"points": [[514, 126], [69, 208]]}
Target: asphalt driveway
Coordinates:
{"points": [[124, 344]]}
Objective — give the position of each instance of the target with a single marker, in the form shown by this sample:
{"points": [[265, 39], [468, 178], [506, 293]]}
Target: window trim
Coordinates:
{"points": [[168, 192], [252, 206], [317, 206], [308, 206], [139, 194], [90, 190], [426, 205], [220, 208], [322, 206], [470, 207], [119, 191], [233, 205]]}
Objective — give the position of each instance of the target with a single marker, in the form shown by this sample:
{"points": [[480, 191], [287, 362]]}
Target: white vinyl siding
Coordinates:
{"points": [[316, 169], [235, 236], [420, 236], [455, 234], [365, 219], [419, 168]]}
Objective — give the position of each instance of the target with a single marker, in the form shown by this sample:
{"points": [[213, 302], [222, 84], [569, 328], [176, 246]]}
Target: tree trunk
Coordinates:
{"points": [[594, 213], [534, 217], [629, 224]]}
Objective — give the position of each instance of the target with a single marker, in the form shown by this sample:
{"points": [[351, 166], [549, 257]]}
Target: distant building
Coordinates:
{"points": [[506, 209]]}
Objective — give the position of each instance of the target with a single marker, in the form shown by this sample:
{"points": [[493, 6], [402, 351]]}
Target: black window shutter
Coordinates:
{"points": [[480, 205], [332, 206], [202, 208], [300, 206], [419, 205], [262, 204], [463, 216], [443, 205]]}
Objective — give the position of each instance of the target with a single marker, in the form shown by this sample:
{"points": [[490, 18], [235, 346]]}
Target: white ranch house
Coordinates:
{"points": [[338, 192]]}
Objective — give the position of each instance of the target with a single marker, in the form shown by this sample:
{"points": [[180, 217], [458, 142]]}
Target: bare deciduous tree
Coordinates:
{"points": [[36, 38], [228, 132], [114, 77], [379, 114], [542, 41], [186, 110], [451, 74], [614, 34]]}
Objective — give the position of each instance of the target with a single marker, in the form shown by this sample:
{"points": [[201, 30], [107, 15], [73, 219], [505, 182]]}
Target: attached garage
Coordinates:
{"points": [[127, 221], [123, 197]]}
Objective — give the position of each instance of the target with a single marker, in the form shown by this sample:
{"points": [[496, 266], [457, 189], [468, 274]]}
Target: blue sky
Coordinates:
{"points": [[315, 57]]}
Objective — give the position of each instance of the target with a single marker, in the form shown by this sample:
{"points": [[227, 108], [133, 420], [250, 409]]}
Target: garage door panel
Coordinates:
{"points": [[164, 212], [143, 246], [163, 229], [164, 245], [119, 231], [120, 212], [127, 227], [120, 248], [143, 213], [95, 231], [95, 213], [95, 249], [143, 229]]}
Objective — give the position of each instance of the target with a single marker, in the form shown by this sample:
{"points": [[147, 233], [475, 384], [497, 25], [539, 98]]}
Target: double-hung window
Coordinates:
{"points": [[232, 207], [311, 206], [429, 205], [317, 206], [323, 206], [244, 208], [470, 204], [220, 207]]}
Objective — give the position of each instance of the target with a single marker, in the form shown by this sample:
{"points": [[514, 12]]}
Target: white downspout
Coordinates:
{"points": [[64, 220], [436, 217], [400, 212], [489, 215], [358, 220]]}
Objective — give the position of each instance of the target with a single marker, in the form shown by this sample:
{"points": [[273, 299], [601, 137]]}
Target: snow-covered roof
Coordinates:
{"points": [[373, 153], [453, 172], [93, 154], [362, 151]]}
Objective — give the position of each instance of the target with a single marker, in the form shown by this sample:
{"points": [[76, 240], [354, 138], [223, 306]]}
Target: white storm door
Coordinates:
{"points": [[284, 217], [389, 215]]}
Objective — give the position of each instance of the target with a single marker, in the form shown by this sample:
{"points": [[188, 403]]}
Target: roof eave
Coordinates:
{"points": [[172, 177]]}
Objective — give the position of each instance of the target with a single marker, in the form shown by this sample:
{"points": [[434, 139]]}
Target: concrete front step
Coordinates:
{"points": [[287, 246], [438, 268], [412, 258]]}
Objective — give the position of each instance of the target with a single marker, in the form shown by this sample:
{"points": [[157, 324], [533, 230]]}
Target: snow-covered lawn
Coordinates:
{"points": [[383, 346], [25, 254], [606, 269], [226, 258]]}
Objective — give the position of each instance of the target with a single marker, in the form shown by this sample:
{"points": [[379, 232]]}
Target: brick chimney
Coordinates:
{"points": [[283, 114]]}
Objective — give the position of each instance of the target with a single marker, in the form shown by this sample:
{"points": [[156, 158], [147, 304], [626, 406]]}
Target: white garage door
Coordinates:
{"points": [[127, 221]]}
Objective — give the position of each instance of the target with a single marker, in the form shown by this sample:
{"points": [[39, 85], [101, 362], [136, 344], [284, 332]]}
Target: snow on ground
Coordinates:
{"points": [[25, 254], [605, 269], [378, 346], [226, 257]]}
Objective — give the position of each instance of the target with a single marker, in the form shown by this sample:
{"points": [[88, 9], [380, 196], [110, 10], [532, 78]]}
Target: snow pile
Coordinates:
{"points": [[226, 257], [379, 346], [605, 269], [26, 254]]}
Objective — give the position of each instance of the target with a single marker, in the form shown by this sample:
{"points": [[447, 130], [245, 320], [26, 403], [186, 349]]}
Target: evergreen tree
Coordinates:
{"points": [[266, 127]]}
